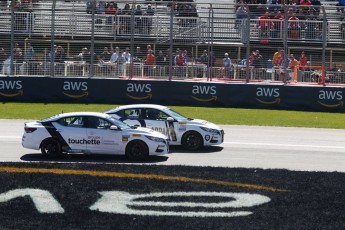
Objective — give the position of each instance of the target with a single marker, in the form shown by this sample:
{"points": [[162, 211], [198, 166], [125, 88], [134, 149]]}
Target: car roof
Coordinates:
{"points": [[152, 106], [61, 115]]}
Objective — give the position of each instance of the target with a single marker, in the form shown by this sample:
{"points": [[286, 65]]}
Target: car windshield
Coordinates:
{"points": [[118, 123], [49, 118], [175, 114]]}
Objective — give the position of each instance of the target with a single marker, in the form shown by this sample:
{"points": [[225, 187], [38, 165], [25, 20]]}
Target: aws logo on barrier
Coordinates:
{"points": [[204, 93], [267, 96], [139, 91], [11, 88], [75, 89], [331, 98]]}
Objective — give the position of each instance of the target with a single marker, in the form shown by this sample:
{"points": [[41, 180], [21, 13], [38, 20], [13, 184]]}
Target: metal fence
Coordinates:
{"points": [[188, 40]]}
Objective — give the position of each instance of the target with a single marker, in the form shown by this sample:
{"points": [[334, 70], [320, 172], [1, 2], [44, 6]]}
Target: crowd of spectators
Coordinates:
{"points": [[142, 17], [302, 15]]}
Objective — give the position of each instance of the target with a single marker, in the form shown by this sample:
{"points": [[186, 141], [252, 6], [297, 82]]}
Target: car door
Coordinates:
{"points": [[156, 119], [73, 132], [100, 138]]}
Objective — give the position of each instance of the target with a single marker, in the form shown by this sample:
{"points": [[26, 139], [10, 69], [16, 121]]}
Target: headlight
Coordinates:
{"points": [[156, 139], [214, 131]]}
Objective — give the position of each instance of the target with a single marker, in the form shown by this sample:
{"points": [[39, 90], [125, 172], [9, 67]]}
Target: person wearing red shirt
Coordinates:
{"points": [[303, 60], [180, 62], [149, 63], [265, 25], [293, 26], [279, 19], [110, 10]]}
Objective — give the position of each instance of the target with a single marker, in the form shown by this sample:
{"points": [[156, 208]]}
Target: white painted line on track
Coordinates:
{"points": [[285, 145]]}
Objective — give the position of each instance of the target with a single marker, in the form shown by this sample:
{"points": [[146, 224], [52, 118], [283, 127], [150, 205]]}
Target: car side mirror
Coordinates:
{"points": [[114, 127], [170, 119]]}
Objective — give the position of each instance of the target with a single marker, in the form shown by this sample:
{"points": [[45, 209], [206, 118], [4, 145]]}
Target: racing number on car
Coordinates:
{"points": [[171, 130]]}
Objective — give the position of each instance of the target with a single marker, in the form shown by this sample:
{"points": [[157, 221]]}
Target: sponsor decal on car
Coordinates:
{"points": [[84, 141], [125, 138]]}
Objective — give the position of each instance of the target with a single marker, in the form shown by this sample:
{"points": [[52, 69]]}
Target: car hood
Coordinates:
{"points": [[199, 122]]}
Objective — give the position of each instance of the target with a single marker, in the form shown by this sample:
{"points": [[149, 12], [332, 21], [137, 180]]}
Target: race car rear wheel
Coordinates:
{"points": [[51, 148], [192, 141], [137, 150]]}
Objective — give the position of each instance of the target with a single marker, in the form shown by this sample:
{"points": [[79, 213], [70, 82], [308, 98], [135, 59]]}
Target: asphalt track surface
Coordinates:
{"points": [[302, 149], [260, 178]]}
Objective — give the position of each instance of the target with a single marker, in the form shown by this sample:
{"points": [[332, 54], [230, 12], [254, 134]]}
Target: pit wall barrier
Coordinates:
{"points": [[179, 93]]}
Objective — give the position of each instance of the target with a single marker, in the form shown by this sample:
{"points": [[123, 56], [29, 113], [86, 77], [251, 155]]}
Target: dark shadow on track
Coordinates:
{"points": [[206, 149], [91, 158]]}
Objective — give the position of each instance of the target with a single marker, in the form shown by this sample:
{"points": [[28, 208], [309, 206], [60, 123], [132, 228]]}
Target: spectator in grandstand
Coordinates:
{"points": [[138, 55], [303, 61], [212, 59], [127, 55], [316, 5], [304, 4], [283, 67], [29, 58], [161, 59], [100, 8], [121, 64], [125, 19], [60, 58], [150, 61], [293, 62], [180, 64], [18, 55], [259, 10], [341, 4], [258, 61], [18, 58], [278, 23], [105, 55], [278, 58], [29, 53], [3, 57], [149, 14], [161, 63], [204, 58], [145, 23], [265, 25], [273, 6], [227, 65], [137, 19], [293, 27], [111, 10], [275, 57], [84, 55], [89, 7], [241, 13], [115, 55]]}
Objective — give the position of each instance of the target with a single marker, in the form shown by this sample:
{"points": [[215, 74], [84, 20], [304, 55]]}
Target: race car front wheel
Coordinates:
{"points": [[192, 141], [51, 148], [137, 150]]}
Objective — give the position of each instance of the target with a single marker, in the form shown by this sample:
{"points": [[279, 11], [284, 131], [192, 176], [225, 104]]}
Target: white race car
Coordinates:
{"points": [[192, 134], [92, 133]]}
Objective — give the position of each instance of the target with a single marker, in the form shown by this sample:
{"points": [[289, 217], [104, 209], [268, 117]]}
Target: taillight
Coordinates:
{"points": [[29, 130]]}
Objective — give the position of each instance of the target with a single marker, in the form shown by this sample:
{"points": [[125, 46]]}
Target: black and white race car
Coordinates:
{"points": [[92, 133], [192, 134]]}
